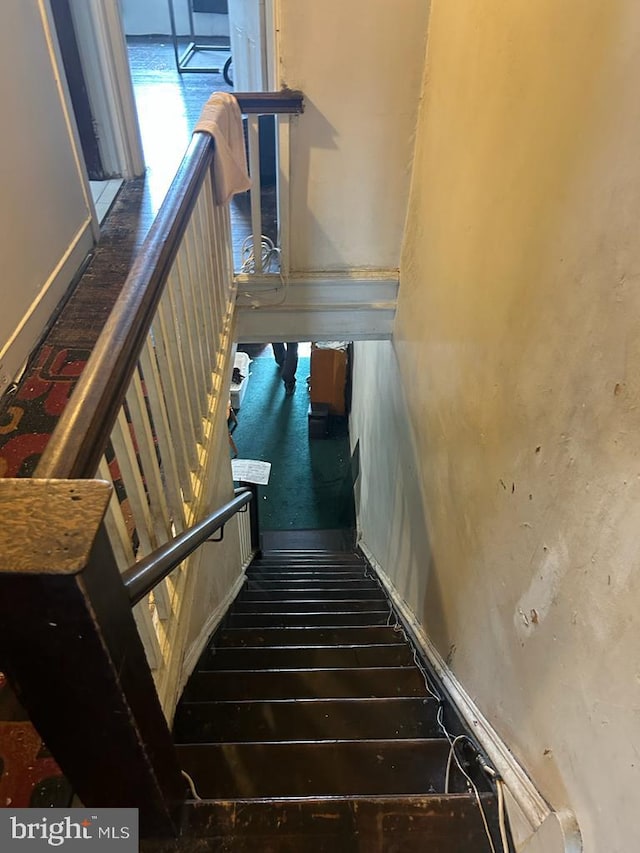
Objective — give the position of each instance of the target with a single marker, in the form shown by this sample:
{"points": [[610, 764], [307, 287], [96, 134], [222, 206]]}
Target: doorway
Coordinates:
{"points": [[310, 484], [93, 56]]}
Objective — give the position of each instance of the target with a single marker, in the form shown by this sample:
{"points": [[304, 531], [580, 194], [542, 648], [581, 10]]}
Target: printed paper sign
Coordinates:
{"points": [[251, 471]]}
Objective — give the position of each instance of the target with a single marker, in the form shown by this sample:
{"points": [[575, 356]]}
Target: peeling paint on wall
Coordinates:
{"points": [[535, 603]]}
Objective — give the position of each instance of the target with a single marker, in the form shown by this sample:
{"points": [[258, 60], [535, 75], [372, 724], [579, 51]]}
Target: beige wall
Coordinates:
{"points": [[45, 210], [359, 65], [519, 355], [214, 569]]}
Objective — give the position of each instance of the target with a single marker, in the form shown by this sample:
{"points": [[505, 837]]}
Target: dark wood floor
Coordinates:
{"points": [[168, 106]]}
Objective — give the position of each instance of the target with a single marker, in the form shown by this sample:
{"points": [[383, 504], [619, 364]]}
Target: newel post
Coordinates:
{"points": [[70, 647]]}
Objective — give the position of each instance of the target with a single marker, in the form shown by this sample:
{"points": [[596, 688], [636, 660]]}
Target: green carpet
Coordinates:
{"points": [[310, 486]]}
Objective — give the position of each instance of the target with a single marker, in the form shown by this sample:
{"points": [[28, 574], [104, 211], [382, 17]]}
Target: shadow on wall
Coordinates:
{"points": [[392, 514], [311, 247]]}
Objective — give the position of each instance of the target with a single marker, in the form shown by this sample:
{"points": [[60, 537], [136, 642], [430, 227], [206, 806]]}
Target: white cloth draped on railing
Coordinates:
{"points": [[221, 119]]}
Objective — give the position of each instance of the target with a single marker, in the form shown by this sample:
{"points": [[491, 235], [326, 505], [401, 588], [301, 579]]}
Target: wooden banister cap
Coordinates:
{"points": [[49, 526]]}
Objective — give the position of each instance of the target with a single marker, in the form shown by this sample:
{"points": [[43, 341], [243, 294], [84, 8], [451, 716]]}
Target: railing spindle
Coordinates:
{"points": [[143, 430], [283, 149], [256, 194], [173, 381], [157, 405]]}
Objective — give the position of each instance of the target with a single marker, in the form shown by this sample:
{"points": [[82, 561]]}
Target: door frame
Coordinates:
{"points": [[272, 30], [77, 86], [103, 52]]}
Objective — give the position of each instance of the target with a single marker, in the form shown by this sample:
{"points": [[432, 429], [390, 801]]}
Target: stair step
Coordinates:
{"points": [[260, 582], [304, 576], [306, 568], [371, 682], [302, 605], [303, 551], [305, 657], [239, 637], [414, 824], [351, 593], [344, 619], [308, 726], [338, 768], [308, 565], [306, 719], [316, 554]]}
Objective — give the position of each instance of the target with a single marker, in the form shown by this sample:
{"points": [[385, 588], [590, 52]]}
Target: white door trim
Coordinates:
{"points": [[272, 46], [103, 53]]}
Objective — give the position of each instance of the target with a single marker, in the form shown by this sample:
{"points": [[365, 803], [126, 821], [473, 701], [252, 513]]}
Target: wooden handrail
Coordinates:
{"points": [[82, 432], [141, 578], [287, 101]]}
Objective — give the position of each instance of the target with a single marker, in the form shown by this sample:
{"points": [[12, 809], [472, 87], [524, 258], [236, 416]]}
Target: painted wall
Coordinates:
{"points": [[359, 65], [215, 568], [151, 17], [519, 359], [45, 210], [389, 494]]}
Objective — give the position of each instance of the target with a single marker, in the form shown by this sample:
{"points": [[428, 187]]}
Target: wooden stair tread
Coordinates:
{"points": [[313, 594], [297, 657], [306, 684], [414, 824], [307, 719], [324, 768], [308, 726], [305, 605], [236, 637], [329, 619]]}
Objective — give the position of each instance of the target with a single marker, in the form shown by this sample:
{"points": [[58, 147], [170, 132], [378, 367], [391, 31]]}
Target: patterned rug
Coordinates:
{"points": [[29, 777]]}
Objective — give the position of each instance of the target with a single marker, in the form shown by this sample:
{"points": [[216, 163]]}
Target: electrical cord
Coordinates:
{"points": [[399, 628], [501, 815], [269, 254], [192, 785]]}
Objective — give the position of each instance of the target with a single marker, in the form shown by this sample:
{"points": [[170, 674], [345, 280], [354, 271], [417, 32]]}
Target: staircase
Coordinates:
{"points": [[308, 725]]}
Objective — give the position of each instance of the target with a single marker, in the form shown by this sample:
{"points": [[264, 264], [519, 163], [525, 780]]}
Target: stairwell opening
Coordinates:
{"points": [[278, 417], [311, 723]]}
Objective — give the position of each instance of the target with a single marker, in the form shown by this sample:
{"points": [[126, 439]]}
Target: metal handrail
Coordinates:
{"points": [[140, 579]]}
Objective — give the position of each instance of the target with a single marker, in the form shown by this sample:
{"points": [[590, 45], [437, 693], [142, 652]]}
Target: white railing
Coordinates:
{"points": [[265, 256], [160, 448], [149, 413], [164, 454]]}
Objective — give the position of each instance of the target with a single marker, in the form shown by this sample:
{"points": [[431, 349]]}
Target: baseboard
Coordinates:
{"points": [[29, 329], [536, 827]]}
